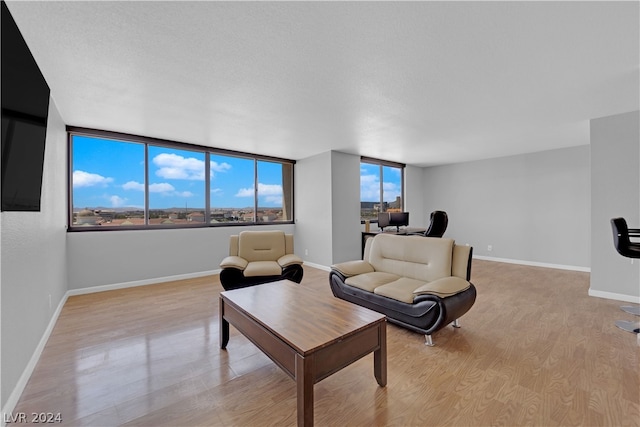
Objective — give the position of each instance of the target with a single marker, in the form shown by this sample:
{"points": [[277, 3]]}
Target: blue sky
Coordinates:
{"points": [[370, 183], [110, 174]]}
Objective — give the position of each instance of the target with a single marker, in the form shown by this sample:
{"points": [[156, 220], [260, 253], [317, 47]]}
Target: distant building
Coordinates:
{"points": [[86, 217], [107, 215], [195, 217]]}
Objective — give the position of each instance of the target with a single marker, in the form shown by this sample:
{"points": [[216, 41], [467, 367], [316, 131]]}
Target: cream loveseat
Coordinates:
{"points": [[421, 283], [259, 257]]}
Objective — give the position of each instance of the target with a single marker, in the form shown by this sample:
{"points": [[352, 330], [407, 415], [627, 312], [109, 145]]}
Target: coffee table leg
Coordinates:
{"points": [[380, 357], [304, 388], [224, 326]]}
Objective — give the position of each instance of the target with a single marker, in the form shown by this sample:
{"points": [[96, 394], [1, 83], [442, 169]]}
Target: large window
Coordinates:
{"points": [[127, 181], [381, 188]]}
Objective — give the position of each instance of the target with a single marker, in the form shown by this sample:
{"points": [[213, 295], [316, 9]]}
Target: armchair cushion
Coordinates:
{"points": [[234, 262], [262, 268], [443, 287], [289, 259], [261, 246], [353, 268]]}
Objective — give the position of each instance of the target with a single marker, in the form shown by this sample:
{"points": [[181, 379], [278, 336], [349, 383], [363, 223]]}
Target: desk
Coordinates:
{"points": [[403, 232]]}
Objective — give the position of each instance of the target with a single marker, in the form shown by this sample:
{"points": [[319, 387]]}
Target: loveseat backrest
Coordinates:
{"points": [[461, 262], [268, 245], [460, 258], [416, 257]]}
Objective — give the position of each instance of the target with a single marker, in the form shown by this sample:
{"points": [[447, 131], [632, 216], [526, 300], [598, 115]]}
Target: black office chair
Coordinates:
{"points": [[622, 235], [438, 225]]}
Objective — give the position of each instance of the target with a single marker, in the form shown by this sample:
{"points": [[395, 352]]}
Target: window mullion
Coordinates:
{"points": [[146, 184], [381, 190], [207, 187], [255, 191]]}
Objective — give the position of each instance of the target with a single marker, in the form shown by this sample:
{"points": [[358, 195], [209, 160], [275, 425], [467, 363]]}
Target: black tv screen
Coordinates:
{"points": [[25, 107]]}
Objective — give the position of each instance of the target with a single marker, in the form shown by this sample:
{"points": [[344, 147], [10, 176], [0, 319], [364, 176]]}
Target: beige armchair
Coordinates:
{"points": [[259, 257]]}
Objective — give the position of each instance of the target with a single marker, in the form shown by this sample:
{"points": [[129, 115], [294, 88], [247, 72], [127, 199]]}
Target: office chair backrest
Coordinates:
{"points": [[621, 238], [438, 225]]}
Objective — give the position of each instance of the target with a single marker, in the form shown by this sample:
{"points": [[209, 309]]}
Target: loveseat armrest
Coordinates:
{"points": [[353, 268], [289, 259], [443, 287], [234, 262]]}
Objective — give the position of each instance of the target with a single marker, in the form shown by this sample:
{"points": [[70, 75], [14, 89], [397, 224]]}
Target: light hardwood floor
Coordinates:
{"points": [[535, 349]]}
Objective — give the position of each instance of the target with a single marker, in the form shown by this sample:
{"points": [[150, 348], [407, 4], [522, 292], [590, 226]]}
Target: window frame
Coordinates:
{"points": [[157, 142], [381, 164]]}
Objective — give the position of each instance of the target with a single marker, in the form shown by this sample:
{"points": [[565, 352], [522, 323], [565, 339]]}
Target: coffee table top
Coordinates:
{"points": [[303, 317]]}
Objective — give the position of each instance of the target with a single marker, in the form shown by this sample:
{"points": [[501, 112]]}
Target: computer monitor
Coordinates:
{"points": [[383, 220], [399, 219]]}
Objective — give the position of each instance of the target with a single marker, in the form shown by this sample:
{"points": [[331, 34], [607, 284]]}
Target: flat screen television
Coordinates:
{"points": [[25, 108]]}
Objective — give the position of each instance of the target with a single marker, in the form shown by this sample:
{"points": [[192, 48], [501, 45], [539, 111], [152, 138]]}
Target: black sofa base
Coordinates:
{"points": [[427, 314], [232, 278]]}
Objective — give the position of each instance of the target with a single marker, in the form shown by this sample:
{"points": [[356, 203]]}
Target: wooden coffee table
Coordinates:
{"points": [[309, 334]]}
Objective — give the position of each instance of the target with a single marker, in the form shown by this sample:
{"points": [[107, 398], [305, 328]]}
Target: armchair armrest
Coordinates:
{"points": [[353, 268], [289, 259], [234, 261]]}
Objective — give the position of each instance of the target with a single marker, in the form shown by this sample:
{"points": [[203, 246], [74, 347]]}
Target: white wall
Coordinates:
{"points": [[102, 258], [345, 207], [313, 236], [615, 182], [34, 268], [533, 207], [414, 201]]}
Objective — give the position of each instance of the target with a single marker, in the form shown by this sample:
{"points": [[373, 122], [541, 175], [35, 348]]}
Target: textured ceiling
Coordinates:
{"points": [[423, 83]]}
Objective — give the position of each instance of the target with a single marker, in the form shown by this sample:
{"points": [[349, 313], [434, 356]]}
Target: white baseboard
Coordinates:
{"points": [[614, 296], [143, 282], [318, 266], [12, 401], [534, 264]]}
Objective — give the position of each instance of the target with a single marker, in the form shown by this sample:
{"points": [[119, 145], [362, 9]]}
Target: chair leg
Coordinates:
{"points": [[429, 340], [456, 323], [635, 310], [626, 325]]}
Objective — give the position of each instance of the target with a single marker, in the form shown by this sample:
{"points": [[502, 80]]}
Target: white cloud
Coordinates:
{"points": [[219, 167], [269, 189], [133, 185], [369, 188], [86, 179], [245, 192], [161, 187], [268, 193], [173, 166], [117, 201], [264, 190]]}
